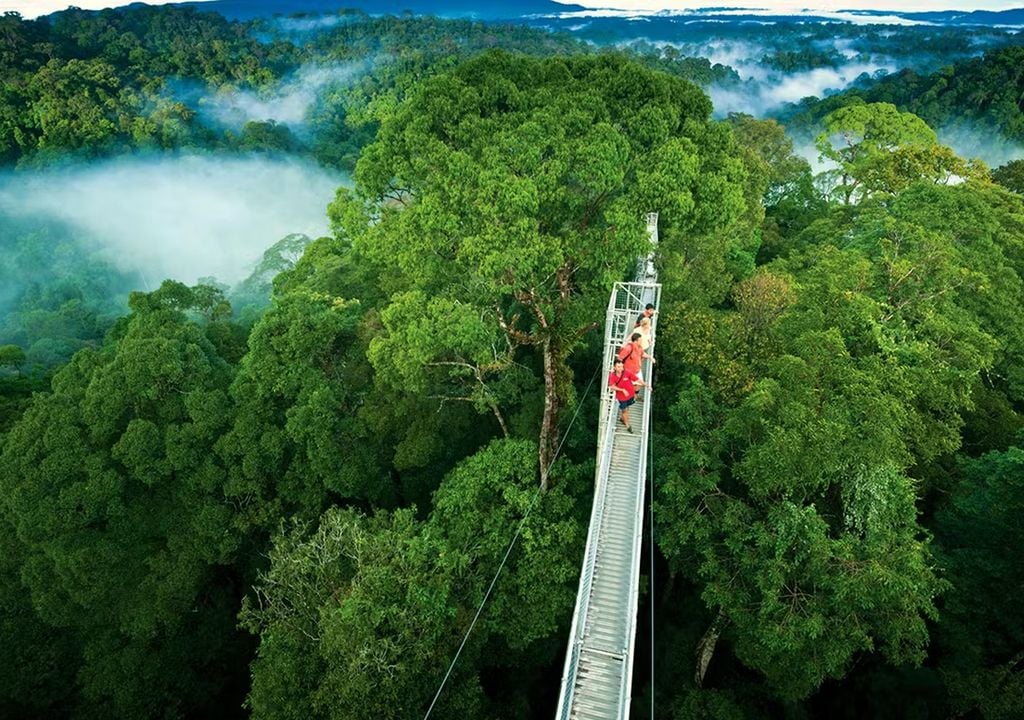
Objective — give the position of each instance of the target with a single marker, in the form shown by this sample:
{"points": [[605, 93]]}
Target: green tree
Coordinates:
{"points": [[417, 436], [818, 405], [267, 136], [37, 667], [77, 104], [475, 511], [12, 356], [507, 196], [252, 295], [114, 492], [879, 149], [981, 629], [360, 617], [1011, 176], [788, 195], [783, 170], [354, 618], [58, 294], [807, 552], [296, 438]]}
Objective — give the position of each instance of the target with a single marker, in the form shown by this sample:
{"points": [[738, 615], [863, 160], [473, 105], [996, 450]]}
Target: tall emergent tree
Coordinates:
{"points": [[880, 150], [502, 200]]}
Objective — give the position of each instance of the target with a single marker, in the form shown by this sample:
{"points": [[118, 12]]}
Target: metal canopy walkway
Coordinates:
{"points": [[597, 678]]}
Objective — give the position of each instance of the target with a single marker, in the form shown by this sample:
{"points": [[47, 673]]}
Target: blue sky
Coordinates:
{"points": [[34, 8]]}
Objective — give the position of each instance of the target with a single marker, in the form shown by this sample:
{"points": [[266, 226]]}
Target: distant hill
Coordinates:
{"points": [[524, 9], [249, 9], [986, 91], [977, 17]]}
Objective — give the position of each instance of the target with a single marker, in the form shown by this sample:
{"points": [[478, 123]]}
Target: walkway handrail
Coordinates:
{"points": [[634, 572], [589, 558], [626, 302]]}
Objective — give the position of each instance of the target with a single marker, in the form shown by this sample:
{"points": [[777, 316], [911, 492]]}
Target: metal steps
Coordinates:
{"points": [[596, 680]]}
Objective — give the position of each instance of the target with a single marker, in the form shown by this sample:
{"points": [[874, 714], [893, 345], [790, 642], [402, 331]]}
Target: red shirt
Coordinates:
{"points": [[623, 385], [631, 354]]}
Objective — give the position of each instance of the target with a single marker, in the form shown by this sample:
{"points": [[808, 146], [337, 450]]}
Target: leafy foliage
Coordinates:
{"points": [[115, 498], [502, 199], [841, 381], [979, 642], [58, 294], [840, 369], [1011, 176], [879, 149], [359, 618], [294, 438]]}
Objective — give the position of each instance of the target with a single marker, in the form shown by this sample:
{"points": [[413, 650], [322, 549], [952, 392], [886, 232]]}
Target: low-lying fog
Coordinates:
{"points": [[288, 102], [973, 142], [181, 217], [765, 89], [762, 95]]}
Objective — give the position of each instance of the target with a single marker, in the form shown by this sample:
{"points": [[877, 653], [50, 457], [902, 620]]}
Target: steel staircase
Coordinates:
{"points": [[597, 678]]}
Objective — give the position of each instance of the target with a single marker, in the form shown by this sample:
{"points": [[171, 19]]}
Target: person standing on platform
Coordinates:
{"points": [[647, 313], [644, 328], [633, 353], [625, 383]]}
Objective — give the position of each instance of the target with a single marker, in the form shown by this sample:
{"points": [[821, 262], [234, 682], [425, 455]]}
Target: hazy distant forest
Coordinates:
{"points": [[283, 494]]}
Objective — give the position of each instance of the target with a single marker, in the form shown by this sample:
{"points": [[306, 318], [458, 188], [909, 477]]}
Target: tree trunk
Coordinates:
{"points": [[552, 408], [706, 647], [500, 417]]}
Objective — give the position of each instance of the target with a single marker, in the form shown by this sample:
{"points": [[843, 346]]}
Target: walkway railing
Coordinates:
{"points": [[597, 678]]}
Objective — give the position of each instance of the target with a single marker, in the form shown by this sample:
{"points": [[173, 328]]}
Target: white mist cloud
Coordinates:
{"points": [[315, 22], [844, 46], [817, 15], [745, 58], [763, 94], [180, 217], [740, 56], [288, 102], [975, 142], [793, 6], [804, 147]]}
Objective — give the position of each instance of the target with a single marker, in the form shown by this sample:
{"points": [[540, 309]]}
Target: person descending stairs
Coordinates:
{"points": [[625, 383], [597, 676]]}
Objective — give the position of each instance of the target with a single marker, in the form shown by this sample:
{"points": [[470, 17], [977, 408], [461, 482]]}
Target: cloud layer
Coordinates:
{"points": [[289, 102], [182, 217]]}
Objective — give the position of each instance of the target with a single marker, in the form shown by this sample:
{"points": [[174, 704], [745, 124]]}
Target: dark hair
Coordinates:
{"points": [[650, 306], [636, 336], [618, 361]]}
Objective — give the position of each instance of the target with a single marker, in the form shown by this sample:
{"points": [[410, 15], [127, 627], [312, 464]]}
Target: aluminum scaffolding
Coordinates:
{"points": [[597, 678]]}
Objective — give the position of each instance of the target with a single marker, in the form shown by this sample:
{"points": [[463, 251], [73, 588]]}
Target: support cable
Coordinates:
{"points": [[511, 545]]}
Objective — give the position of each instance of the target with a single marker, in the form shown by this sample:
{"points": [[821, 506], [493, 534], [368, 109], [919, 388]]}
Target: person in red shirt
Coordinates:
{"points": [[632, 353], [624, 383]]}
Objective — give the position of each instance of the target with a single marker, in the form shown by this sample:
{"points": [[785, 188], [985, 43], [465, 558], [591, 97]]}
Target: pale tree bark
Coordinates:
{"points": [[552, 408], [479, 374], [706, 647], [554, 348]]}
